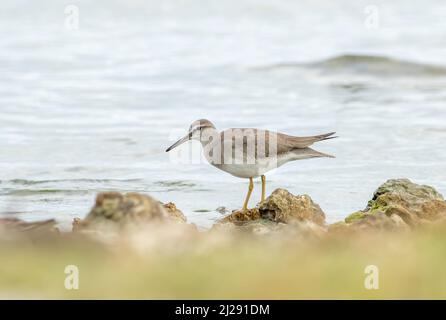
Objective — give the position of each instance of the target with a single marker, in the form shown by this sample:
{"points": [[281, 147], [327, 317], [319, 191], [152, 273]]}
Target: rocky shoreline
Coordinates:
{"points": [[398, 205], [133, 246]]}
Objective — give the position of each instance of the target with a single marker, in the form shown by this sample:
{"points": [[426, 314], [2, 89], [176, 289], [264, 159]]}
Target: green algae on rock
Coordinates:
{"points": [[413, 202], [399, 204], [354, 216]]}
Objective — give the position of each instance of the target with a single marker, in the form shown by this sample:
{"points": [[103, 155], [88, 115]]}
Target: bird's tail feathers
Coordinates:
{"points": [[318, 154], [326, 136]]}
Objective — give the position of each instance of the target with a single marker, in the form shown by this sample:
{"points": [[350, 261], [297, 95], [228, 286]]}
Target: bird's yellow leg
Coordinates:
{"points": [[263, 187], [251, 186]]}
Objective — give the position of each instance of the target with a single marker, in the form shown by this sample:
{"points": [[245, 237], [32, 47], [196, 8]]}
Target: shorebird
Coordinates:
{"points": [[250, 153]]}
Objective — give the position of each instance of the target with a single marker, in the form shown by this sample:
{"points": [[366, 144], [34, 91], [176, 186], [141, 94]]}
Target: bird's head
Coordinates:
{"points": [[195, 132]]}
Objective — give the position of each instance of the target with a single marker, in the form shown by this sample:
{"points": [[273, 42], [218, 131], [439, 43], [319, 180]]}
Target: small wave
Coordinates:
{"points": [[37, 182], [175, 183], [32, 192], [366, 64]]}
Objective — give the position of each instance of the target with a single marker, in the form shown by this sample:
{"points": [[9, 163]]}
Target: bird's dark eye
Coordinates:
{"points": [[193, 129]]}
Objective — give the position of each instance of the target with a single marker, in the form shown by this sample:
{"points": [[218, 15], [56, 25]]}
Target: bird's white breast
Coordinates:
{"points": [[243, 170], [260, 167]]}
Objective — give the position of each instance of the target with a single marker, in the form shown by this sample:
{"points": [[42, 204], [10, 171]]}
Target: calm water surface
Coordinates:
{"points": [[89, 110]]}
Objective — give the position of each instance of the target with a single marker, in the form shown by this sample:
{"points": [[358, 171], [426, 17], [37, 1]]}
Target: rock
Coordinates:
{"points": [[355, 216], [134, 220], [280, 213], [261, 227], [282, 206], [12, 228], [240, 216], [379, 221], [365, 222], [411, 201], [305, 229], [238, 222], [339, 227], [399, 204], [116, 209], [399, 222], [174, 213], [76, 224]]}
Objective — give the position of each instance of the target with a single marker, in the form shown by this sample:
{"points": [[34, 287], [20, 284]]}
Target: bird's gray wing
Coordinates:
{"points": [[286, 143], [271, 141]]}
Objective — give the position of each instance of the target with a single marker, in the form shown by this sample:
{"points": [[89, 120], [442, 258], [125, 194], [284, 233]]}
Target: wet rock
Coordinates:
{"points": [[116, 209], [399, 204]]}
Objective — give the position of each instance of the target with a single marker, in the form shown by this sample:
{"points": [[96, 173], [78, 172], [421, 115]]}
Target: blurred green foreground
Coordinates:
{"points": [[217, 266]]}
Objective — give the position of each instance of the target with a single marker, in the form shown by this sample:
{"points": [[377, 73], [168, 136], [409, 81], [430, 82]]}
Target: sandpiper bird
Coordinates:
{"points": [[250, 153]]}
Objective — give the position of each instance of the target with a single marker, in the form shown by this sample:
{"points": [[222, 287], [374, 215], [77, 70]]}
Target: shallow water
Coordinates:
{"points": [[93, 109]]}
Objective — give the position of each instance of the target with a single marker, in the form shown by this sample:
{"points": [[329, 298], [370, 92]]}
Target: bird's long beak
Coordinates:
{"points": [[181, 141]]}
